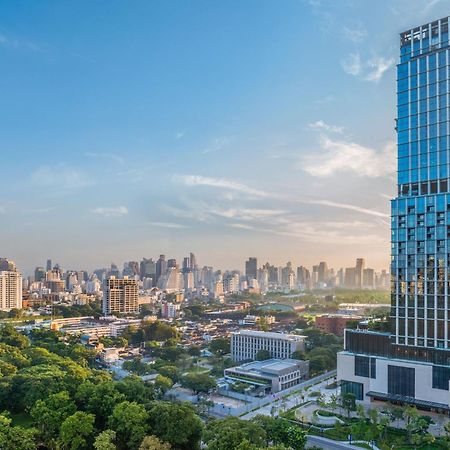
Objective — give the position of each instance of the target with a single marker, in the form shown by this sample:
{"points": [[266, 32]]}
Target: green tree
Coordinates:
{"points": [[188, 430], [135, 390], [99, 399], [228, 433], [161, 386], [348, 401], [129, 421], [105, 440], [198, 382], [262, 355], [153, 443], [171, 372], [295, 438], [10, 336], [220, 346], [77, 431], [298, 355], [15, 438], [49, 414]]}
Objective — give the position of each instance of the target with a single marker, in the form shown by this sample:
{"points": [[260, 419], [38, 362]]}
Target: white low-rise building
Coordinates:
{"points": [[245, 344], [272, 374]]}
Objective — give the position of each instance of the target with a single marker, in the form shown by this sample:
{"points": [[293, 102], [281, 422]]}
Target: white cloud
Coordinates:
{"points": [[2, 210], [355, 35], [369, 70], [352, 64], [60, 176], [342, 156], [242, 226], [113, 211], [221, 183], [110, 156], [246, 213], [217, 144], [321, 125], [377, 66], [355, 208], [167, 224], [14, 43]]}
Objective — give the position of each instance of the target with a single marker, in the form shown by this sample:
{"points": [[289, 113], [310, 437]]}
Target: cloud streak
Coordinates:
{"points": [[167, 225], [355, 208], [220, 183], [113, 211], [108, 156], [60, 176]]}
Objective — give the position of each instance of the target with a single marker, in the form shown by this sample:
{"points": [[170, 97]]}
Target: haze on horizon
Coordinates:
{"points": [[230, 129]]}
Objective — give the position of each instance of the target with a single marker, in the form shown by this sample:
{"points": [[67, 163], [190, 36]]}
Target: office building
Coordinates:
{"points": [[412, 363], [120, 295], [245, 344], [161, 266], [272, 375], [359, 272], [251, 268]]}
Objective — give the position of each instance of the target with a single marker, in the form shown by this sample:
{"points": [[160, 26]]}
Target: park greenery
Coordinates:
{"points": [[52, 397]]}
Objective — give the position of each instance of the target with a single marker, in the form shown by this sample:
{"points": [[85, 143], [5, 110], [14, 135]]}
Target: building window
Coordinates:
{"points": [[441, 377], [365, 367], [350, 387], [401, 381]]}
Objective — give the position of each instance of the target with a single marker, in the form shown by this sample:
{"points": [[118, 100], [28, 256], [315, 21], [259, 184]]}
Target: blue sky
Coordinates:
{"points": [[236, 128]]}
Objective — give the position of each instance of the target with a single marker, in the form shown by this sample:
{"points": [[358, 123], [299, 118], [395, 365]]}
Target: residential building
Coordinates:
{"points": [[120, 295], [412, 363], [245, 344], [170, 310], [10, 290], [334, 323]]}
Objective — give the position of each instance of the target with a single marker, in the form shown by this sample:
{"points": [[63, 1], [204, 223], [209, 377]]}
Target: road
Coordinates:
{"points": [[327, 444]]}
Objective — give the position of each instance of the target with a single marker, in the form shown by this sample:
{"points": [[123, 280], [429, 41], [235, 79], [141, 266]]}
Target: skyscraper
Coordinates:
{"points": [[120, 295], [161, 266], [251, 268], [359, 272], [412, 363]]}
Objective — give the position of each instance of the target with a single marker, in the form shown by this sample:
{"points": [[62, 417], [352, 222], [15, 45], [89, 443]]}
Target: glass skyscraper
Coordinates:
{"points": [[412, 363]]}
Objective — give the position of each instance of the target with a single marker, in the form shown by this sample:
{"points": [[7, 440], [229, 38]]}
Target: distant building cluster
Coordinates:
{"points": [[165, 281]]}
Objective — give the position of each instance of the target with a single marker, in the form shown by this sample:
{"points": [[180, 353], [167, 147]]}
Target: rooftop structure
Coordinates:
{"points": [[273, 375]]}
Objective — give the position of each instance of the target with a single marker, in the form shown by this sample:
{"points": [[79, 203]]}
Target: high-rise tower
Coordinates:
{"points": [[412, 363]]}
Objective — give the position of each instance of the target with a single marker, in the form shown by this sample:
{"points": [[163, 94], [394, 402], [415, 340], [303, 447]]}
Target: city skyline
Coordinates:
{"points": [[292, 163]]}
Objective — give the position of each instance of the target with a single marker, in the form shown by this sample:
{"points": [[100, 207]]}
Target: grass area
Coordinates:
{"points": [[22, 419], [198, 369]]}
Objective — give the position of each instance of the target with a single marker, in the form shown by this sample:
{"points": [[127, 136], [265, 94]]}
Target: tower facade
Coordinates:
{"points": [[412, 363], [120, 295]]}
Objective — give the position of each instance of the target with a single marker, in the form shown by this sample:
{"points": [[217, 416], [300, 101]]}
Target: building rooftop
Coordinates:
{"points": [[267, 334], [269, 366]]}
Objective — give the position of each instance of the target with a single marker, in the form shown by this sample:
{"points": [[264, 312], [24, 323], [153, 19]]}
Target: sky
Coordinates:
{"points": [[228, 128]]}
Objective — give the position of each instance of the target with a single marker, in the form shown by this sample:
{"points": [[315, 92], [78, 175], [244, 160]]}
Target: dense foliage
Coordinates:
{"points": [[54, 398]]}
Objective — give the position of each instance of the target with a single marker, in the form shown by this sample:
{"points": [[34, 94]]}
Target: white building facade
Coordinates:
{"points": [[245, 344]]}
